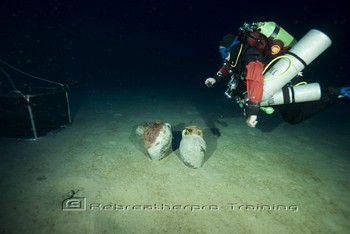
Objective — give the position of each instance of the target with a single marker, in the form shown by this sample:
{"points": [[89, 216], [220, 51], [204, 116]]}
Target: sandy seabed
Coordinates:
{"points": [[277, 178]]}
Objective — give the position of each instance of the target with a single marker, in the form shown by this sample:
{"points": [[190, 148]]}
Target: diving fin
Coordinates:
{"points": [[344, 92]]}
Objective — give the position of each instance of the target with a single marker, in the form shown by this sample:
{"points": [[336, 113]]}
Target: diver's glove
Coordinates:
{"points": [[252, 121], [210, 81]]}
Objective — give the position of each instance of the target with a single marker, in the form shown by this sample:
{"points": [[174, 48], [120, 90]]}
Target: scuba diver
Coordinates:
{"points": [[248, 55]]}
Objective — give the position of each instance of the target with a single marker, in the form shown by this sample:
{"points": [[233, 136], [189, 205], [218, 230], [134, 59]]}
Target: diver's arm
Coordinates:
{"points": [[223, 71], [221, 74]]}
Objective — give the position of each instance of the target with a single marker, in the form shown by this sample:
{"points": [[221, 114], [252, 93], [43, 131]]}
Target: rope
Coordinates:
{"points": [[24, 73]]}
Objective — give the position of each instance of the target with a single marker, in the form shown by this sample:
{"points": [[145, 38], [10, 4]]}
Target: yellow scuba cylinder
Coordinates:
{"points": [[273, 31]]}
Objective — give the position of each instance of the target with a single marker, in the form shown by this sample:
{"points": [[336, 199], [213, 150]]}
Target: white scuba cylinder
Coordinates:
{"points": [[291, 64], [294, 94]]}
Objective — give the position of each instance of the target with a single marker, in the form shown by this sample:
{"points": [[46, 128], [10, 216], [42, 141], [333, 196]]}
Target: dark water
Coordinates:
{"points": [[107, 43]]}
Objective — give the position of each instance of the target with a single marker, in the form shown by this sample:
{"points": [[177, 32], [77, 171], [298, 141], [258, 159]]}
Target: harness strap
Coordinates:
{"points": [[285, 92], [275, 32], [297, 57]]}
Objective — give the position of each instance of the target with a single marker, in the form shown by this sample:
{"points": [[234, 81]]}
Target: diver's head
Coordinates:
{"points": [[226, 44]]}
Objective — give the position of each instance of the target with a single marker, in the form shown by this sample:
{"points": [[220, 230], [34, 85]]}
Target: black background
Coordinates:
{"points": [[126, 43]]}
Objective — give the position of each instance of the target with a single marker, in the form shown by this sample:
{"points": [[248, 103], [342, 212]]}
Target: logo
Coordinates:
{"points": [[74, 204], [79, 204], [275, 49]]}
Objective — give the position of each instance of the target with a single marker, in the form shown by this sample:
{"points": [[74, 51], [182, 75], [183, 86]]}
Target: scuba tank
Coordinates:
{"points": [[274, 32], [271, 30], [308, 48]]}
